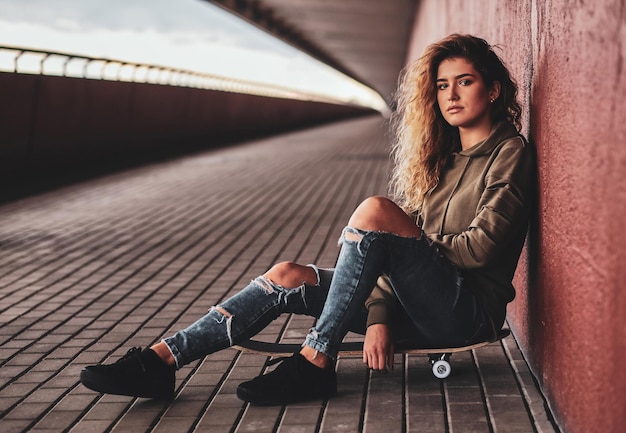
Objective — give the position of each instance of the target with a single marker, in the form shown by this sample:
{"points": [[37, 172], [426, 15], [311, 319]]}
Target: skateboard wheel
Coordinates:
{"points": [[441, 369]]}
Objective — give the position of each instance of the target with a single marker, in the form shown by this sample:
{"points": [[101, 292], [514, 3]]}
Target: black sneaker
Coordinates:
{"points": [[294, 380], [136, 374]]}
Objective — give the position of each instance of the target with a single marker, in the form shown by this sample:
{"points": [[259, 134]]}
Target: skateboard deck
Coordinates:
{"points": [[439, 357]]}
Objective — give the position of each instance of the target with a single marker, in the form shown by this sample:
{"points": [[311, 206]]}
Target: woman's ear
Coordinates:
{"points": [[495, 91]]}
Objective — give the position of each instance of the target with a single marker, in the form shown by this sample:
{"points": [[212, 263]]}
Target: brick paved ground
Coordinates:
{"points": [[91, 269]]}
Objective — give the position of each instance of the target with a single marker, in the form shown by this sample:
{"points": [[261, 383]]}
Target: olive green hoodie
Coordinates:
{"points": [[477, 216]]}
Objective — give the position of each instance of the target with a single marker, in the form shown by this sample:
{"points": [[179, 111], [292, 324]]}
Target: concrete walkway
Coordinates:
{"points": [[89, 270]]}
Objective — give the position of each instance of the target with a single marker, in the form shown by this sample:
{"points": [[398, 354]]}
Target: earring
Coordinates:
{"points": [[491, 100]]}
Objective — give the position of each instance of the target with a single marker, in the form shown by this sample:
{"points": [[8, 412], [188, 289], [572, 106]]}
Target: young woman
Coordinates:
{"points": [[435, 265]]}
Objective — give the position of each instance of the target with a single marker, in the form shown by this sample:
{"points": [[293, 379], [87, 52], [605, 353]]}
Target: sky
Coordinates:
{"points": [[187, 34]]}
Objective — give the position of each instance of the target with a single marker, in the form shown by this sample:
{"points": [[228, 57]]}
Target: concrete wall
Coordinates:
{"points": [[54, 124], [570, 313]]}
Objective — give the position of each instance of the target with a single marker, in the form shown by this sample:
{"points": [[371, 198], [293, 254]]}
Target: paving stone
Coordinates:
{"points": [[15, 425], [344, 421]]}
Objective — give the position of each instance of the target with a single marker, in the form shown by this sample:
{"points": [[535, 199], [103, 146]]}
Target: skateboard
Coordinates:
{"points": [[439, 358]]}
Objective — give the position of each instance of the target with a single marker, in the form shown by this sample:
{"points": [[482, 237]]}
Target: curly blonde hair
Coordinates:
{"points": [[424, 141]]}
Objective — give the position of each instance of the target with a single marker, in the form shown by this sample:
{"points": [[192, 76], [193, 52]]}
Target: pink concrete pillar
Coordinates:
{"points": [[570, 312]]}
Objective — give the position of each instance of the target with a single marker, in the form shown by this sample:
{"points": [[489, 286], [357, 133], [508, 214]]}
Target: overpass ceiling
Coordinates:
{"points": [[365, 39]]}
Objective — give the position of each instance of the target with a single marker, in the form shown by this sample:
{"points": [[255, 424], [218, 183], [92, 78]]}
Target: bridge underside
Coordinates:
{"points": [[366, 39]]}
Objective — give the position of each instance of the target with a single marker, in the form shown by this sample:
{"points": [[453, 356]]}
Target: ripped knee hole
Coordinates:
{"points": [[223, 312], [265, 283], [351, 236]]}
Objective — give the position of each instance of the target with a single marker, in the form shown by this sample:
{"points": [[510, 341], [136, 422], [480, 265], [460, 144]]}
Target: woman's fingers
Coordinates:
{"points": [[378, 347]]}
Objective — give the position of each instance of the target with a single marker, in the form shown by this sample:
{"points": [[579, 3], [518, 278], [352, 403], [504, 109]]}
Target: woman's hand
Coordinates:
{"points": [[378, 347]]}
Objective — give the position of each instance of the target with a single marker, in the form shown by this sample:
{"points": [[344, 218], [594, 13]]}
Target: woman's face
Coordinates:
{"points": [[464, 99]]}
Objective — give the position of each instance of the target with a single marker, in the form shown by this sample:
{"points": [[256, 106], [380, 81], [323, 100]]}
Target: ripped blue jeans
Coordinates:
{"points": [[438, 310], [247, 313]]}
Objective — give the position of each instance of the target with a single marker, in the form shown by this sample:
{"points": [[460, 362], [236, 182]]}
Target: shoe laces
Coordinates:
{"points": [[133, 353], [293, 363], [277, 360]]}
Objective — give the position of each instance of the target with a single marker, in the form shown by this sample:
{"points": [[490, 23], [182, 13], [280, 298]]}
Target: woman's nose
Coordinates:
{"points": [[452, 95]]}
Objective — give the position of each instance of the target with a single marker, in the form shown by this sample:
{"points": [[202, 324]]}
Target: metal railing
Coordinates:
{"points": [[32, 61]]}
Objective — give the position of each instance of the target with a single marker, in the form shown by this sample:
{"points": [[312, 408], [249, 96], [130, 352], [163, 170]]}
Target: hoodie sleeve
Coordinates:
{"points": [[382, 303], [500, 213]]}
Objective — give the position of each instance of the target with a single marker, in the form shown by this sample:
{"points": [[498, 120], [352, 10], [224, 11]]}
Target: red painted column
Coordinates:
{"points": [[570, 312]]}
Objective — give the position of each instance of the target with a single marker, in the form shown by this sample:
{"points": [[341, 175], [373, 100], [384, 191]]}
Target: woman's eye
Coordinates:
{"points": [[442, 86], [465, 82]]}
